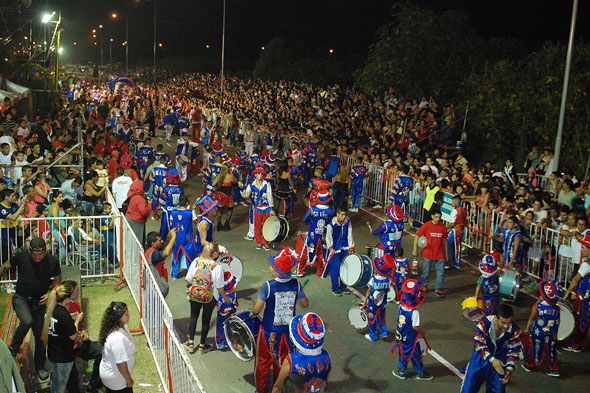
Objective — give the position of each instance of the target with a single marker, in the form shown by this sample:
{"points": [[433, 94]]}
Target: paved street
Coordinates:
{"points": [[359, 365]]}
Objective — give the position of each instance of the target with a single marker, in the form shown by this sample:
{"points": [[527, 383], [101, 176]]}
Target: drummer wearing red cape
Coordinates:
{"points": [[409, 330], [317, 217], [279, 298], [542, 326]]}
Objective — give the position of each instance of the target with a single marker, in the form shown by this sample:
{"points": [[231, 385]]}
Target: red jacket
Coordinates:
{"points": [[138, 209]]}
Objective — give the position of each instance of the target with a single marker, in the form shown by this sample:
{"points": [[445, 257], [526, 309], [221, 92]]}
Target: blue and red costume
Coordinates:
{"points": [[358, 173], [183, 251]]}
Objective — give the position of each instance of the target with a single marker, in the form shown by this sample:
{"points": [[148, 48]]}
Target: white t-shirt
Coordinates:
{"points": [[119, 347], [120, 188], [584, 269], [216, 276], [23, 132], [415, 316]]}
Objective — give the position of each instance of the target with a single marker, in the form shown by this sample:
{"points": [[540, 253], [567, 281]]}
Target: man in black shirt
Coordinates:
{"points": [[35, 272]]}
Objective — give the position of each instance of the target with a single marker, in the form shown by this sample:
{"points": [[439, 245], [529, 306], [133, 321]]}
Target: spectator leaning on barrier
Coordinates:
{"points": [[434, 253], [37, 271]]}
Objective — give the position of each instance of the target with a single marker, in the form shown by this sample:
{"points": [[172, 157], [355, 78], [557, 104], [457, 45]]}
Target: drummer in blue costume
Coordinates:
{"points": [[340, 243], [376, 297], [168, 199], [495, 353], [184, 248], [409, 330], [401, 187], [512, 240], [317, 218], [225, 309], [310, 360], [358, 173], [543, 325], [279, 298], [205, 227], [488, 284], [390, 232]]}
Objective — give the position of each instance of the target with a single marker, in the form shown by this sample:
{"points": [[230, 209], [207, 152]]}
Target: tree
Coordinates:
{"points": [[421, 53]]}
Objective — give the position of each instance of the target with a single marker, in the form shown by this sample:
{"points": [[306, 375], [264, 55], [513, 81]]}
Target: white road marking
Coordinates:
{"points": [[168, 144]]}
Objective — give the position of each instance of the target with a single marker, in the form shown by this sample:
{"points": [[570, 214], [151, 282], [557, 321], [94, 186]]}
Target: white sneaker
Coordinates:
{"points": [[8, 287]]}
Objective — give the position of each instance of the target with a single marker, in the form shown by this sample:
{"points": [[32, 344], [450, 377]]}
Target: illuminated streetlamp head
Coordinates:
{"points": [[114, 15], [47, 17]]}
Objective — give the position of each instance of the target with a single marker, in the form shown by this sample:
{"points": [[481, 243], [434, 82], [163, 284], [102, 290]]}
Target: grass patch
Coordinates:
{"points": [[96, 297]]}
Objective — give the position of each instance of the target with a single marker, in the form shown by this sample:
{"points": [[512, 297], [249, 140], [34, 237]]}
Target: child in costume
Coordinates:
{"points": [[376, 297], [488, 284], [225, 310], [409, 331], [402, 269]]}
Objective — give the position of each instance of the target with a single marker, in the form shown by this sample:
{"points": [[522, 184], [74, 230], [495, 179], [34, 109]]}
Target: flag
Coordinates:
{"points": [[127, 79]]}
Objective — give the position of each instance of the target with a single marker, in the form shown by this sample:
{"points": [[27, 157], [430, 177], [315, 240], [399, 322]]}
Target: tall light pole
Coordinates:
{"points": [[47, 19], [155, 8], [566, 78], [114, 15], [111, 51], [101, 46], [223, 53]]}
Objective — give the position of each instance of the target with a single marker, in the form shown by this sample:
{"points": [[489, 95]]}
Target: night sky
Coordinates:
{"points": [[185, 27]]}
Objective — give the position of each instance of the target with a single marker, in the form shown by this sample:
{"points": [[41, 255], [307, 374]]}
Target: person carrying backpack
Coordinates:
{"points": [[204, 277]]}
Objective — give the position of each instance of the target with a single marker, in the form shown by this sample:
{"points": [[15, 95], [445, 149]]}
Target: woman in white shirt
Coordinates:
{"points": [[118, 349]]}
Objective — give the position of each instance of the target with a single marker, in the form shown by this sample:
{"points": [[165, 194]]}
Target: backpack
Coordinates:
{"points": [[201, 290], [125, 205]]}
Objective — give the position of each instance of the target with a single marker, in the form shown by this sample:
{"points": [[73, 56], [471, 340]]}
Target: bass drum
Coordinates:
{"points": [[357, 317], [241, 331], [567, 321], [231, 263], [275, 229], [509, 285], [356, 270], [373, 251]]}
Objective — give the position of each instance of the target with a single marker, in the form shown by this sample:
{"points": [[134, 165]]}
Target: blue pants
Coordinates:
{"points": [[478, 372], [219, 332], [165, 224], [440, 272], [376, 316], [406, 351], [454, 249], [334, 267], [356, 195]]}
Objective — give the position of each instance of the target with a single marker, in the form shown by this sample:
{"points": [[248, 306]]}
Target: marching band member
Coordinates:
{"points": [[317, 185], [488, 285], [205, 226], [579, 290], [157, 178], [542, 326], [512, 239], [401, 187], [183, 145], [310, 360], [260, 193], [184, 247], [390, 232], [456, 227], [224, 309], [376, 296], [340, 243], [402, 271], [159, 153], [358, 173], [409, 330], [168, 123], [143, 154], [495, 352], [279, 298], [168, 200], [317, 218]]}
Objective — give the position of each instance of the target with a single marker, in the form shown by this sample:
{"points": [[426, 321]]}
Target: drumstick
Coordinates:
{"points": [[369, 225], [304, 283]]}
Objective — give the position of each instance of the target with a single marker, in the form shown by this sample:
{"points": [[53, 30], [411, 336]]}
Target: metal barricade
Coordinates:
{"points": [[88, 242], [415, 203], [374, 181]]}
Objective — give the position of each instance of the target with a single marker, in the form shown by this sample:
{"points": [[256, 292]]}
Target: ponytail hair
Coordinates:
{"points": [[57, 295]]}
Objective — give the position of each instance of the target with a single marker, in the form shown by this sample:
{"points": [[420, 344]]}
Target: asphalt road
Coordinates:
{"points": [[357, 364]]}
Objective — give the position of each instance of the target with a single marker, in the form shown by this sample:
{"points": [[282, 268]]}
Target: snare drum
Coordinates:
{"points": [[356, 270], [240, 332], [391, 294], [373, 251], [275, 229], [358, 317], [232, 264], [182, 159], [509, 285], [472, 309], [567, 321]]}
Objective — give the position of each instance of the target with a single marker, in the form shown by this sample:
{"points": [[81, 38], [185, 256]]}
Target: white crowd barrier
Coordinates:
{"points": [[173, 365], [546, 254]]}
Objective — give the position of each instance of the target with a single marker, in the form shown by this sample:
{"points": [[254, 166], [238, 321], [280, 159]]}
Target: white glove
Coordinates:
{"points": [[222, 249]]}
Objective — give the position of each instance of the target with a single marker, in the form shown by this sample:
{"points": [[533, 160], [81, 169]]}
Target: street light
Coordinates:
{"points": [[47, 19], [114, 15]]}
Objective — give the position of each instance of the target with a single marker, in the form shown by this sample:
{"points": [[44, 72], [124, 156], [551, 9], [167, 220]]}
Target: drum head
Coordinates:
{"points": [[358, 317], [351, 269], [283, 230], [271, 228], [567, 321], [232, 264], [239, 338], [391, 295]]}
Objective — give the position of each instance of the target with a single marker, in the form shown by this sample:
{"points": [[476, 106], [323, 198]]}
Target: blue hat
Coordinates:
{"points": [[413, 294], [229, 282], [307, 333], [324, 197], [384, 265], [206, 204], [284, 261], [487, 266], [550, 291], [396, 213]]}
